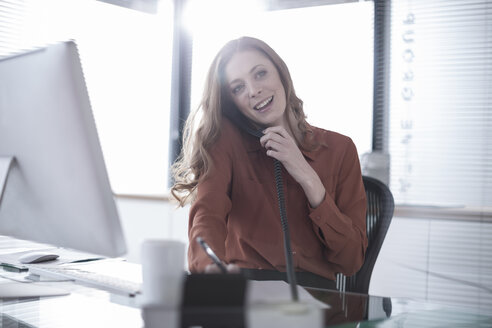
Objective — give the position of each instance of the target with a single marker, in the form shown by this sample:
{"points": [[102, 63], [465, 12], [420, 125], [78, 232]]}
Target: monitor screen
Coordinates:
{"points": [[55, 185]]}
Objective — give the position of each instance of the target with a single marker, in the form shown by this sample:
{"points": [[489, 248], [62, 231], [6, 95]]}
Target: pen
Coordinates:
{"points": [[12, 267], [211, 254]]}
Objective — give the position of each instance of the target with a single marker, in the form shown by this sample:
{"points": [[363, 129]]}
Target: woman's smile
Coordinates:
{"points": [[264, 105]]}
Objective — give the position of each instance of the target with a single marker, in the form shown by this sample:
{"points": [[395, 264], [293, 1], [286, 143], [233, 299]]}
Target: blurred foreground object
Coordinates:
{"points": [[148, 6]]}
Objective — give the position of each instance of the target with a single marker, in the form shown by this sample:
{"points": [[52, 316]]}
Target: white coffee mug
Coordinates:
{"points": [[162, 272]]}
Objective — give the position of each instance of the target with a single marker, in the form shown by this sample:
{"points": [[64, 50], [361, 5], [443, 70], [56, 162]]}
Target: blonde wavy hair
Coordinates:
{"points": [[202, 127]]}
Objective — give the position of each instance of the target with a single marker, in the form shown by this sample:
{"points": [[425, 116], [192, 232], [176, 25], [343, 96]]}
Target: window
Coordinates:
{"points": [[328, 49], [438, 248], [441, 108], [126, 57]]}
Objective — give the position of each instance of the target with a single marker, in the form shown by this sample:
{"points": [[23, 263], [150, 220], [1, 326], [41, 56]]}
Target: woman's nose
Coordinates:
{"points": [[254, 90]]}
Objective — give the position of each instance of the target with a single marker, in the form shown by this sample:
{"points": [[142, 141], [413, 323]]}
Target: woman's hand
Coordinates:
{"points": [[281, 146], [214, 268]]}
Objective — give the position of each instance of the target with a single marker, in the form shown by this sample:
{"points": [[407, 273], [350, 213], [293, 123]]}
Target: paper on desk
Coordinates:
{"points": [[65, 256], [268, 292], [20, 290]]}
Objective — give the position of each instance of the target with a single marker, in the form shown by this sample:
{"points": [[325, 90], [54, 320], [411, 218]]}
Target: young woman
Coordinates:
{"points": [[228, 174]]}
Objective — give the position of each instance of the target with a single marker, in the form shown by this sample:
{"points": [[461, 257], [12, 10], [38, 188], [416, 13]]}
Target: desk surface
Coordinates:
{"points": [[87, 307]]}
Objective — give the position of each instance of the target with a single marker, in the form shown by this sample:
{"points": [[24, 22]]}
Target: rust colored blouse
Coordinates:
{"points": [[236, 210]]}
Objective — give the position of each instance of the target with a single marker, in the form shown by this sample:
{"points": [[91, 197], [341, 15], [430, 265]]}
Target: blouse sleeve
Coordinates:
{"points": [[210, 208], [340, 220]]}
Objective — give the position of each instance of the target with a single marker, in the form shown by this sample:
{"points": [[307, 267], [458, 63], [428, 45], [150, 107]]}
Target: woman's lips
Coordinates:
{"points": [[262, 106]]}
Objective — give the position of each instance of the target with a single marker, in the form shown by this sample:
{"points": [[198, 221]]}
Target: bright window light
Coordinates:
{"points": [[329, 52], [126, 57]]}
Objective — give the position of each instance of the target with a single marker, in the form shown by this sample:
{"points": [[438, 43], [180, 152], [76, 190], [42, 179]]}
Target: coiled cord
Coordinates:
{"points": [[279, 183]]}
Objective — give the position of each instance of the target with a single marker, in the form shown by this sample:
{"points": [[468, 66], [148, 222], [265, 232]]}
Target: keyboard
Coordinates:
{"points": [[108, 283]]}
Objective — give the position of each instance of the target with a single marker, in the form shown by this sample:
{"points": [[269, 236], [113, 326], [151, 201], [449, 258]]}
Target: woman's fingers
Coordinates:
{"points": [[214, 268], [233, 268], [272, 144], [271, 136], [277, 129], [275, 133], [280, 145]]}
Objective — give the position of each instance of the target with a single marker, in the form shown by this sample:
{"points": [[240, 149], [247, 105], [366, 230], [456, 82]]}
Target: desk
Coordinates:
{"points": [[87, 307]]}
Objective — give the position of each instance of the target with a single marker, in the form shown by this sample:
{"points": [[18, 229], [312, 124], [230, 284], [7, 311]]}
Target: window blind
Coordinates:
{"points": [[11, 29], [441, 102], [440, 108]]}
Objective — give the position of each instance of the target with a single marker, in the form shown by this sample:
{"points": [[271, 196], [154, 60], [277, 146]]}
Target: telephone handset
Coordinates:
{"points": [[242, 122]]}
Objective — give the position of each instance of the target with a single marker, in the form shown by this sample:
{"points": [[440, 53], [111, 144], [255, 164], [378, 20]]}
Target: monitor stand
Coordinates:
{"points": [[5, 164]]}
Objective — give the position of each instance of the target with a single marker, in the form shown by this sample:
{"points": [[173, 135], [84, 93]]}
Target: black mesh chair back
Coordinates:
{"points": [[380, 207]]}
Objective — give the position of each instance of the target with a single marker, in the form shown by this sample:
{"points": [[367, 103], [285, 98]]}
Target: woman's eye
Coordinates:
{"points": [[237, 89], [261, 73]]}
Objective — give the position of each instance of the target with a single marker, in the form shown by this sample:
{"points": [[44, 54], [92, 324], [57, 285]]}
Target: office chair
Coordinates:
{"points": [[380, 207]]}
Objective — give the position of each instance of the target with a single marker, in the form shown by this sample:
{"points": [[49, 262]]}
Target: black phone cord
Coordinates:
{"points": [[291, 276]]}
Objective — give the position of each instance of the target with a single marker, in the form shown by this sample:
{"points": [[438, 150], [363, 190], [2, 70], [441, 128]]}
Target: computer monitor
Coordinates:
{"points": [[57, 189]]}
